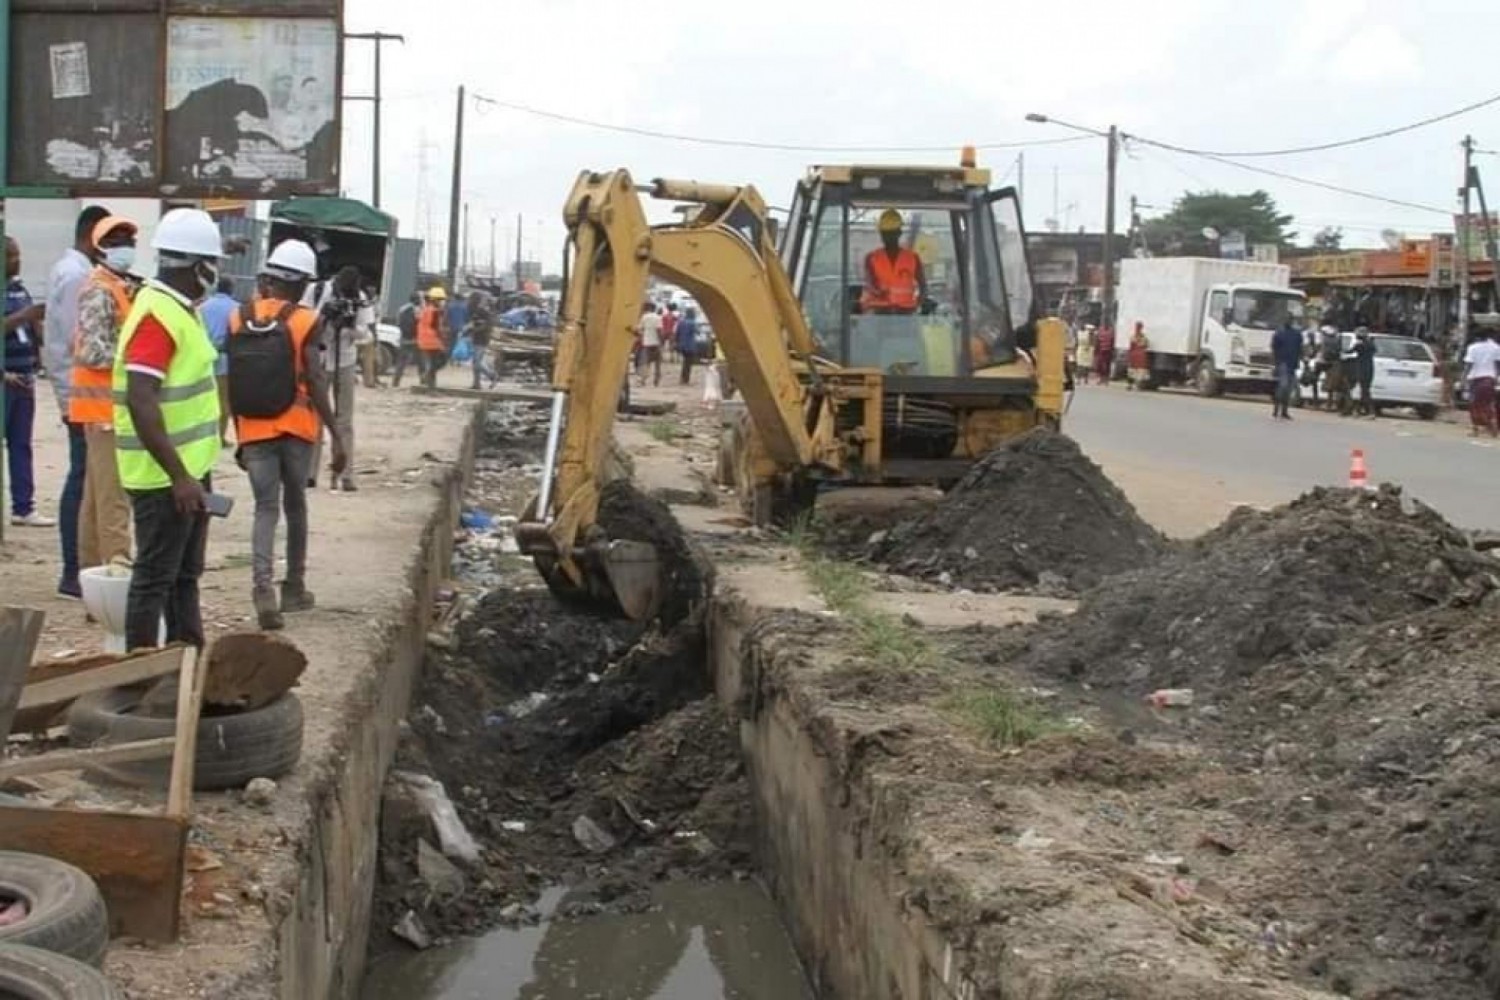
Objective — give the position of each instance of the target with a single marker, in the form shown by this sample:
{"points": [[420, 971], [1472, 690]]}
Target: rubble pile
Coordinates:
{"points": [[1035, 513], [1265, 586]]}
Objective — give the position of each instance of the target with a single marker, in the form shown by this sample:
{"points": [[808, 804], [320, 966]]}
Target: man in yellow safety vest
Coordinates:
{"points": [[166, 411]]}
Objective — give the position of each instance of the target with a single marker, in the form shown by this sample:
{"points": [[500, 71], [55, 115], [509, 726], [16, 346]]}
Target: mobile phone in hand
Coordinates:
{"points": [[217, 504]]}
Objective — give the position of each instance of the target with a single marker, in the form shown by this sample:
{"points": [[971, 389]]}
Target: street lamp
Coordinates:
{"points": [[1111, 162]]}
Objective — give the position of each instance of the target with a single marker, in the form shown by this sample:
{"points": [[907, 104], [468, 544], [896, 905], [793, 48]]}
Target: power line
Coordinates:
{"points": [[1337, 189], [1341, 143], [752, 144]]}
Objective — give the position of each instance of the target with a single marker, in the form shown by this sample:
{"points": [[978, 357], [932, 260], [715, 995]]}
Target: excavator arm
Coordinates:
{"points": [[725, 258]]}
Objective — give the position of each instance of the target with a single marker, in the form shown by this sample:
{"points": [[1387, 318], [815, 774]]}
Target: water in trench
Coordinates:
{"points": [[702, 941]]}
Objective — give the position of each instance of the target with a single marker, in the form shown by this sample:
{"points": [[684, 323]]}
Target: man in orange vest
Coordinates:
{"points": [[430, 342], [277, 450], [894, 282], [103, 303]]}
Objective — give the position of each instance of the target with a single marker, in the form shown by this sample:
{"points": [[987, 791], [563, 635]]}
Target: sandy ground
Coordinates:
{"points": [[361, 548]]}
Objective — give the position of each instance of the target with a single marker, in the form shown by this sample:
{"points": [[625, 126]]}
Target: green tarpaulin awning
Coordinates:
{"points": [[345, 213]]}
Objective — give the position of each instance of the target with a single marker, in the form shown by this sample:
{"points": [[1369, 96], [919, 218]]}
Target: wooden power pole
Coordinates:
{"points": [[379, 38], [455, 196]]}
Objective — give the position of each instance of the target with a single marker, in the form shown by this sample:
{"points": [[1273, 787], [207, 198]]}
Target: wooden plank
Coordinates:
{"points": [[137, 860], [189, 705], [132, 670], [77, 760], [43, 717], [19, 630]]}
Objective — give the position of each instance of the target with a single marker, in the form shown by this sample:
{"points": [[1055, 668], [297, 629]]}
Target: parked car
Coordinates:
{"points": [[1406, 374]]}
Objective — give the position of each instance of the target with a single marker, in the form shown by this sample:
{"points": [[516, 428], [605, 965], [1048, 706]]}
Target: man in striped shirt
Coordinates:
{"points": [[23, 321]]}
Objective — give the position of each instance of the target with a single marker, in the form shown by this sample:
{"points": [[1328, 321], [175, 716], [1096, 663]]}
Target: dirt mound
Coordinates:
{"points": [[1035, 512], [1265, 586]]}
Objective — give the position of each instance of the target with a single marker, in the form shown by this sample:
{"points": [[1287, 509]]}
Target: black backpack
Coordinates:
{"points": [[262, 365]]}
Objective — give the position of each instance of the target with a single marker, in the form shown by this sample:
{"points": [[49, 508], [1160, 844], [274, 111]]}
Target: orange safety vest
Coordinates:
{"points": [[300, 419], [429, 338], [894, 281], [91, 390]]}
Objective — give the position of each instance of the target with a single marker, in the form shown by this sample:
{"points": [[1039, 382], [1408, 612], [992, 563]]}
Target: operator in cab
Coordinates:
{"points": [[894, 282]]}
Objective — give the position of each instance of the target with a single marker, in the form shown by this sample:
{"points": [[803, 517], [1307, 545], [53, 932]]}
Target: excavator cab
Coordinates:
{"points": [[963, 348]]}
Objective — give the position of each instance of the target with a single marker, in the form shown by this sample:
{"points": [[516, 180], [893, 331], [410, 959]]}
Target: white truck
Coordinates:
{"points": [[1207, 321]]}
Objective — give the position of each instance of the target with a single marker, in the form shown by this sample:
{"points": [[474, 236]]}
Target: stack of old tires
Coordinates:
{"points": [[53, 931]]}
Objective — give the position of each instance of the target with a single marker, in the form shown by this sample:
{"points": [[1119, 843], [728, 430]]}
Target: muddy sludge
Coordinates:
{"points": [[585, 754]]}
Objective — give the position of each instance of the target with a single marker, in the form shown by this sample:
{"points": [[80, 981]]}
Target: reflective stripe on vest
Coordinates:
{"points": [[300, 419], [90, 398], [895, 281], [189, 395]]}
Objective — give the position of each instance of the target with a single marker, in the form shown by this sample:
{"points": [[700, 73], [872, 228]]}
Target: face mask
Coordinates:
{"points": [[208, 277], [119, 259]]}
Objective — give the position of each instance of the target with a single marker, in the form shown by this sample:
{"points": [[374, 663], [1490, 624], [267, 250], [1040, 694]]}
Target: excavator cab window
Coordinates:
{"points": [[974, 295]]}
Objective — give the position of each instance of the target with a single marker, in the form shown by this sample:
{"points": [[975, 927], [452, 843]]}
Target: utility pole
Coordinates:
{"points": [[1463, 245], [519, 231], [492, 248], [1021, 183], [1107, 302], [379, 38], [1491, 250], [466, 236], [455, 196]]}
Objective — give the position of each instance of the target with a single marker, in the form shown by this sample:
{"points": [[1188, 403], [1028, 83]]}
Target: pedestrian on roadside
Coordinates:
{"points": [[481, 329], [1083, 361], [431, 329], [669, 342], [1364, 370], [406, 352], [23, 341], [347, 321], [216, 310], [63, 284], [1481, 369], [686, 333], [167, 421], [279, 392], [103, 305], [1104, 354], [650, 330], [1286, 354], [1330, 363], [1139, 358]]}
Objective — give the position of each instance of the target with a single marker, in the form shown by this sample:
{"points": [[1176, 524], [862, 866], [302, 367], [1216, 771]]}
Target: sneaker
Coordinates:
{"points": [[32, 520], [267, 614], [347, 485], [68, 587]]}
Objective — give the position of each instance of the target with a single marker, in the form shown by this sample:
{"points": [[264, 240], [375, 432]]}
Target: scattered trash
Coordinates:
{"points": [[514, 826], [591, 836], [1180, 890], [1030, 840], [1164, 860], [260, 792], [525, 706], [439, 640], [435, 722], [454, 838], [409, 929], [1214, 842], [438, 873], [476, 520], [200, 859], [1170, 698], [14, 912]]}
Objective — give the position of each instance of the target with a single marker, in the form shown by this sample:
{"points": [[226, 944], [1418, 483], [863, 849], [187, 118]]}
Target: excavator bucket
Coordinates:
{"points": [[633, 570], [620, 576]]}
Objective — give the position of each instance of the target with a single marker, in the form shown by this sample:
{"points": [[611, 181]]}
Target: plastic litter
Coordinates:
{"points": [[1170, 698], [454, 839]]}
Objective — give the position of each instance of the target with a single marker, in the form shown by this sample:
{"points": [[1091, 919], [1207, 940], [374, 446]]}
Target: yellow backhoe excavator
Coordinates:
{"points": [[892, 337]]}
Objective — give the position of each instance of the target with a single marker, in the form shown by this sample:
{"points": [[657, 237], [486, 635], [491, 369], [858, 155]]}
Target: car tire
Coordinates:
{"points": [[1427, 412], [1206, 380], [28, 973], [65, 914], [233, 747], [385, 358]]}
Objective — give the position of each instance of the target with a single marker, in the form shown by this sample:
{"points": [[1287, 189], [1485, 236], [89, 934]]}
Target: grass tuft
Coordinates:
{"points": [[1002, 717], [662, 430]]}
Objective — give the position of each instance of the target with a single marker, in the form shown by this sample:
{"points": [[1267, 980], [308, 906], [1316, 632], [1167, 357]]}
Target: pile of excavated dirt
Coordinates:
{"points": [[1266, 586], [1035, 513]]}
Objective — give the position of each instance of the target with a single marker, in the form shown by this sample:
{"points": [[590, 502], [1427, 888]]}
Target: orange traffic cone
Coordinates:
{"points": [[1359, 476]]}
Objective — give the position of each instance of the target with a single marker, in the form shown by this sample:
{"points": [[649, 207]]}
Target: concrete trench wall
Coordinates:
{"points": [[845, 905], [322, 939]]}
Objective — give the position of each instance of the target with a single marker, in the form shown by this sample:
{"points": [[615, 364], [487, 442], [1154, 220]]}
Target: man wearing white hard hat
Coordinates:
{"points": [[167, 428], [278, 391]]}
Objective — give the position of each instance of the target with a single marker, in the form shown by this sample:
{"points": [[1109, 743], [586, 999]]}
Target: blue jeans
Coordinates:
{"points": [[20, 416], [71, 501], [1286, 385]]}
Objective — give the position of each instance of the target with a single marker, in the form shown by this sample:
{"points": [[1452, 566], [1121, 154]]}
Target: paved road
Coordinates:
{"points": [[1185, 461]]}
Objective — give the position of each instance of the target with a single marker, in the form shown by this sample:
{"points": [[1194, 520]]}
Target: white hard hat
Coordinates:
{"points": [[190, 232], [292, 259]]}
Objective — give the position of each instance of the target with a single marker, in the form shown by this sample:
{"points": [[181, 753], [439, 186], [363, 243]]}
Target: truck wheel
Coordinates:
{"points": [[385, 359], [33, 974], [1207, 380], [65, 912], [1427, 412]]}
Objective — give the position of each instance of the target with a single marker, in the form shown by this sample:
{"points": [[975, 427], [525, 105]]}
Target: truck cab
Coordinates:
{"points": [[1234, 343]]}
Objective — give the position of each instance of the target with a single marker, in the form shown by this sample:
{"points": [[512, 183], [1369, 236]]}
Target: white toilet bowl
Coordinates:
{"points": [[105, 589]]}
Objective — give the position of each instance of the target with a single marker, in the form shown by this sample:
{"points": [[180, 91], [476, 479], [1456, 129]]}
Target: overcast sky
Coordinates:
{"points": [[1207, 74]]}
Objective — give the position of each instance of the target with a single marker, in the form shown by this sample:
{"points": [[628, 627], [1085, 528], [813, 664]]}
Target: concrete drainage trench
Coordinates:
{"points": [[569, 814]]}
